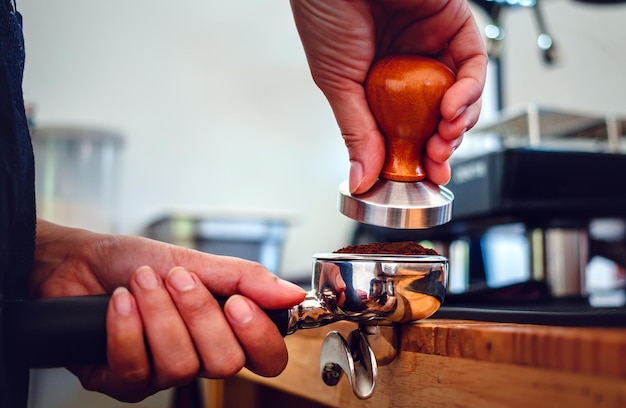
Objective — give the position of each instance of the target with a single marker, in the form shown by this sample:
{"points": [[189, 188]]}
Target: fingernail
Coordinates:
{"points": [[122, 302], [356, 175], [146, 278], [181, 279], [459, 112], [290, 286], [457, 143], [239, 309]]}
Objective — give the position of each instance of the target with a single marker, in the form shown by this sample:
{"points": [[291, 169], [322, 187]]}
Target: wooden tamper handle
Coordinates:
{"points": [[404, 93]]}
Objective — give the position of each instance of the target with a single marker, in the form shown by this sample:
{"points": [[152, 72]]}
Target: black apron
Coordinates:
{"points": [[17, 196]]}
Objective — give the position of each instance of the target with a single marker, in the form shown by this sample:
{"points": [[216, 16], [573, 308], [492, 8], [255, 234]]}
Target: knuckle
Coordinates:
{"points": [[197, 307], [227, 365], [178, 370], [136, 375]]}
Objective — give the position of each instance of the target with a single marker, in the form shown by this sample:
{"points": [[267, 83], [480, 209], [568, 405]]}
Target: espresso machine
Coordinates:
{"points": [[550, 187]]}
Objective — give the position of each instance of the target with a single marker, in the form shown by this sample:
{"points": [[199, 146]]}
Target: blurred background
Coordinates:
{"points": [[204, 111]]}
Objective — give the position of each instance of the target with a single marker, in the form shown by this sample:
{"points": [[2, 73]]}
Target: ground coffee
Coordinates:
{"points": [[388, 248]]}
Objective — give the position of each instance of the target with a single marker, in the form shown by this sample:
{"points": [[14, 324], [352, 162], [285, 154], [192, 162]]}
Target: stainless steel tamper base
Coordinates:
{"points": [[397, 204]]}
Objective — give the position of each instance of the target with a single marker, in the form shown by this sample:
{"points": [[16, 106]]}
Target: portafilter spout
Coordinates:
{"points": [[404, 93]]}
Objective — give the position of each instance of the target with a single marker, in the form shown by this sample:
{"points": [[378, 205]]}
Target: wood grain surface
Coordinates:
{"points": [[448, 363]]}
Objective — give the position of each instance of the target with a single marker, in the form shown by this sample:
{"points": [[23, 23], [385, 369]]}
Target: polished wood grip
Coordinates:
{"points": [[404, 93]]}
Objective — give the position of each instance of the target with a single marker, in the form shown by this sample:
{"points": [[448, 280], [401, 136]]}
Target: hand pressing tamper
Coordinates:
{"points": [[404, 93]]}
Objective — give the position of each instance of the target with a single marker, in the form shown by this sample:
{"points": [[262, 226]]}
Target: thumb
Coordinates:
{"points": [[226, 276], [366, 147]]}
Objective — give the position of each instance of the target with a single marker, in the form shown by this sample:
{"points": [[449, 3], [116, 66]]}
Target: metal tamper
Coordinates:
{"points": [[404, 93]]}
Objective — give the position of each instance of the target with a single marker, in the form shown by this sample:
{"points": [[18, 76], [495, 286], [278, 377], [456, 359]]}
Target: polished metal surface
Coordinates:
{"points": [[353, 356], [372, 289], [560, 257], [396, 204]]}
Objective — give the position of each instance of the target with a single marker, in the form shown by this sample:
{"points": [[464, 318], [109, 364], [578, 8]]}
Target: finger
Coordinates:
{"points": [[439, 149], [365, 144], [438, 173], [127, 375], [174, 357], [225, 276], [265, 348], [126, 349], [470, 58], [129, 366], [467, 53], [451, 130], [215, 342], [339, 57]]}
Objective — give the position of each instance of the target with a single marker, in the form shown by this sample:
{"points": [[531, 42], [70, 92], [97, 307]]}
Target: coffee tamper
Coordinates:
{"points": [[404, 93]]}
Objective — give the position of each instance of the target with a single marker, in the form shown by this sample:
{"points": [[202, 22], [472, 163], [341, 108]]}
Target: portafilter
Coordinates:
{"points": [[375, 291]]}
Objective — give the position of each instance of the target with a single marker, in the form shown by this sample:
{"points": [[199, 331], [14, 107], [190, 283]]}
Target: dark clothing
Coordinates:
{"points": [[17, 194]]}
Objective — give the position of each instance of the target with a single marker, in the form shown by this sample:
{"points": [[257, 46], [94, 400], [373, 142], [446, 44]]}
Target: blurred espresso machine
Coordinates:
{"points": [[539, 218]]}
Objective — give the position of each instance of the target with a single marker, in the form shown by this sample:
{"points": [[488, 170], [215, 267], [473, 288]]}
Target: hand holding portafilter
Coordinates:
{"points": [[404, 94], [376, 291]]}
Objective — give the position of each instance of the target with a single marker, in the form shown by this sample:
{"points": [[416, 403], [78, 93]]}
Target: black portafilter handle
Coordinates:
{"points": [[69, 331]]}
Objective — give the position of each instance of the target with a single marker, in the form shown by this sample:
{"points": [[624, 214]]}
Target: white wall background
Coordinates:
{"points": [[215, 101], [219, 112]]}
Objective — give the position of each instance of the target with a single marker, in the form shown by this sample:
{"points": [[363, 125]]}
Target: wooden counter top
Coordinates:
{"points": [[444, 363]]}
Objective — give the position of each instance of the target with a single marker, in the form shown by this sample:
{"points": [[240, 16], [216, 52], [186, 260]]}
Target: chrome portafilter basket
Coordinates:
{"points": [[371, 289], [376, 291]]}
